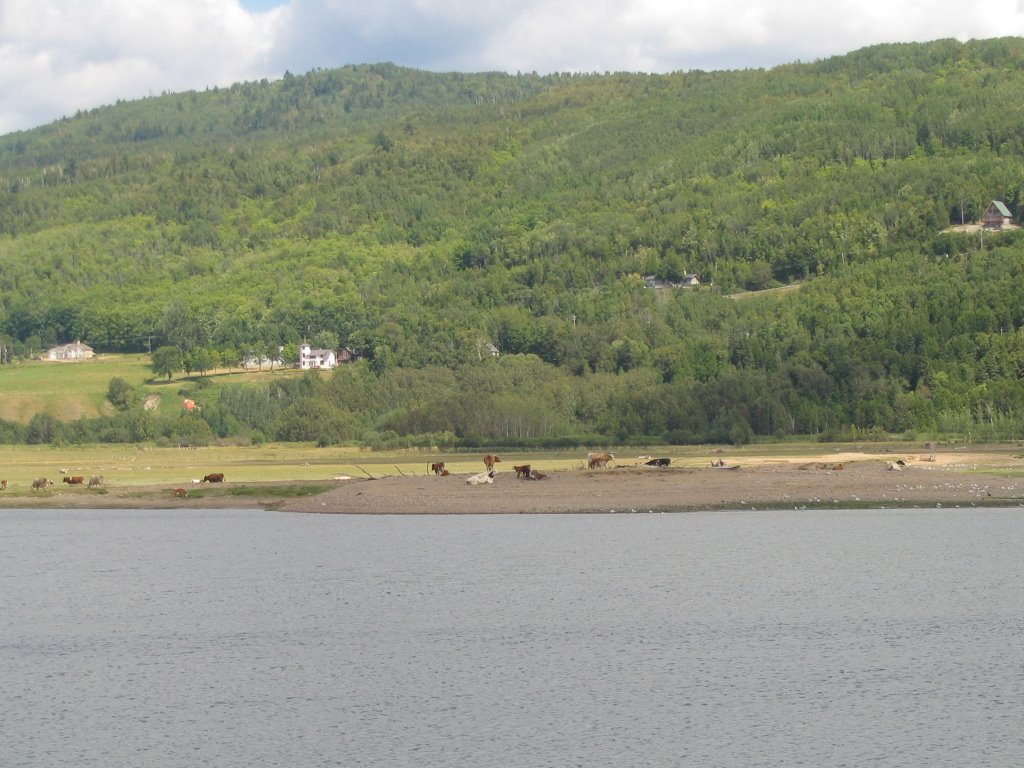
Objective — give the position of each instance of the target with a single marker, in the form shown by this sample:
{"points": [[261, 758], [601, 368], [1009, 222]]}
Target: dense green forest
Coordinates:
{"points": [[419, 218]]}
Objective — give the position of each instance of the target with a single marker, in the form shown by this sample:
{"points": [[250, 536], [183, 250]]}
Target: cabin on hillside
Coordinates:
{"points": [[74, 351], [653, 281], [347, 355], [996, 216]]}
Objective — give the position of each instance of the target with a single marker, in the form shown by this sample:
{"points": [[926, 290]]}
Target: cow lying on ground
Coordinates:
{"points": [[599, 460], [216, 477], [490, 461], [483, 477], [522, 471], [76, 480], [814, 465], [660, 462], [41, 482], [437, 467]]}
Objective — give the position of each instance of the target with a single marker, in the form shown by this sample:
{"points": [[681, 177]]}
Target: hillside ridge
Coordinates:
{"points": [[419, 218]]}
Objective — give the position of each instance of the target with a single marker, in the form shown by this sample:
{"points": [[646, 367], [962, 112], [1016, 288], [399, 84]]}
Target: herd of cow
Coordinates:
{"points": [[41, 483], [523, 472], [96, 481], [526, 472]]}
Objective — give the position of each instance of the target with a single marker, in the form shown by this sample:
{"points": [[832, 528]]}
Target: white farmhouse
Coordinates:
{"points": [[310, 358], [74, 351]]}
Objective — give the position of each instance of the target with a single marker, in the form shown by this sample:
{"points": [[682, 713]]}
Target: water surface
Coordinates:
{"points": [[245, 638]]}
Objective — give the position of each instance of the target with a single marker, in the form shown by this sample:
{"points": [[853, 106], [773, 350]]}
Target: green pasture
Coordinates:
{"points": [[148, 465], [69, 391]]}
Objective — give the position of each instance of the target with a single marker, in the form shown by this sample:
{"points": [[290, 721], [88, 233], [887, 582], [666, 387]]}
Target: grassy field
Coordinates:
{"points": [[69, 391], [146, 465]]}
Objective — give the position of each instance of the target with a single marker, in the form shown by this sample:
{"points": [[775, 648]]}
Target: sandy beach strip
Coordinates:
{"points": [[663, 489]]}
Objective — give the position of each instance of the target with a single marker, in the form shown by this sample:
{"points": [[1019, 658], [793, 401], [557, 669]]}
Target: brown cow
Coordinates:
{"points": [[599, 460], [179, 493], [490, 461], [216, 477], [41, 482], [522, 471], [3, 485], [437, 468], [76, 480]]}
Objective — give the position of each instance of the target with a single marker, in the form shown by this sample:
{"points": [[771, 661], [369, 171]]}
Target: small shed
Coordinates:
{"points": [[996, 216]]}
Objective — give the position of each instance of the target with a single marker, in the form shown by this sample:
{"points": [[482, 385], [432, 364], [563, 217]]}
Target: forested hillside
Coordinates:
{"points": [[418, 218]]}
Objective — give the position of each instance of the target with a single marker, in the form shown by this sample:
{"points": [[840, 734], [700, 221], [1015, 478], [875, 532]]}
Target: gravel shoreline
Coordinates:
{"points": [[649, 489]]}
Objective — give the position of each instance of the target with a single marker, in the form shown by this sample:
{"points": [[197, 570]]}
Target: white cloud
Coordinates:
{"points": [[665, 35], [59, 56]]}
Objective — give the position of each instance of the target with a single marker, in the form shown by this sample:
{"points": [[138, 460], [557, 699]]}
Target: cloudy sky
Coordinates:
{"points": [[60, 56]]}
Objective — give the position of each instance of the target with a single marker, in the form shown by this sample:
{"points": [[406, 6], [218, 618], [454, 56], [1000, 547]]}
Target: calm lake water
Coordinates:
{"points": [[241, 638]]}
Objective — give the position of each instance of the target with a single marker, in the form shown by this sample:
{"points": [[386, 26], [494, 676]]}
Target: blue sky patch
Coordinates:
{"points": [[261, 5]]}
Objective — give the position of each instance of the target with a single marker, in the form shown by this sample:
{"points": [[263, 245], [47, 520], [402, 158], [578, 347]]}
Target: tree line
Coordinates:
{"points": [[421, 219]]}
